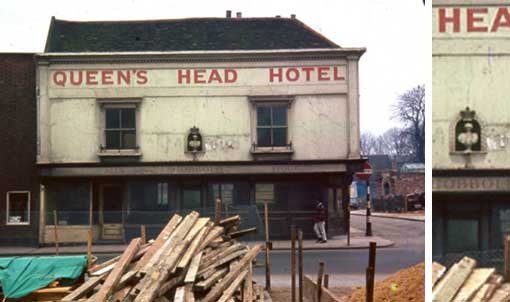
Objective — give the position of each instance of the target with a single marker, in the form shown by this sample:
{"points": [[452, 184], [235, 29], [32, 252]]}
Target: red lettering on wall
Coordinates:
{"points": [[106, 77], [59, 78], [199, 76], [141, 77], [91, 76], [278, 74], [230, 75], [502, 19], [307, 71], [323, 73], [215, 76], [443, 19], [76, 77], [336, 74], [183, 75], [472, 19], [123, 76], [292, 74]]}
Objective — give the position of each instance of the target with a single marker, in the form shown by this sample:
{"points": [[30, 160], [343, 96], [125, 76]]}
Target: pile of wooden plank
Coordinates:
{"points": [[191, 259], [465, 282]]}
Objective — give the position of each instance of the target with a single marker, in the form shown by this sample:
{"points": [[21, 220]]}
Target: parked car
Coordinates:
{"points": [[415, 201]]}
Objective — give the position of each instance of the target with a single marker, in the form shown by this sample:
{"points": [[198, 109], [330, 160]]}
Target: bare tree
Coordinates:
{"points": [[410, 110]]}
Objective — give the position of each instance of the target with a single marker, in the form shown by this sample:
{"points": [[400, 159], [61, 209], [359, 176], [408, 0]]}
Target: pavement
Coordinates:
{"points": [[357, 241], [412, 216]]}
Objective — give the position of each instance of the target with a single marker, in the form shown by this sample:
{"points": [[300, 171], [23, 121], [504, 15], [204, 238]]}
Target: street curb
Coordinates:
{"points": [[338, 248], [391, 217], [274, 249]]}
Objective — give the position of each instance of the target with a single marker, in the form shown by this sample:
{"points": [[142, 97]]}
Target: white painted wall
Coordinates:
{"points": [[324, 117], [471, 69]]}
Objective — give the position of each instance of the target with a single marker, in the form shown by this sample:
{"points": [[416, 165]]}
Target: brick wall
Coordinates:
{"points": [[18, 138], [407, 183]]}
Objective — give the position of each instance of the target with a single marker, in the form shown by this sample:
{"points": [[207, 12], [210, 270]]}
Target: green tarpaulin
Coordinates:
{"points": [[19, 276]]}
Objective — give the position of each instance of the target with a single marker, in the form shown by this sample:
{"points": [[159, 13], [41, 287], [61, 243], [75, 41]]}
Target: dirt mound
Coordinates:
{"points": [[405, 285]]}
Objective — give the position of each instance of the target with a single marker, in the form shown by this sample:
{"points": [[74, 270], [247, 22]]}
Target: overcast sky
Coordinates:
{"points": [[394, 32]]}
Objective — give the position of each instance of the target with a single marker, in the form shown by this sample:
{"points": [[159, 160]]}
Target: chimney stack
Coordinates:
{"points": [[239, 15], [229, 14], [293, 16]]}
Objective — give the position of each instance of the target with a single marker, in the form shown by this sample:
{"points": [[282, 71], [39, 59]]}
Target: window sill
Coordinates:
{"points": [[466, 153], [272, 153], [17, 223], [120, 153]]}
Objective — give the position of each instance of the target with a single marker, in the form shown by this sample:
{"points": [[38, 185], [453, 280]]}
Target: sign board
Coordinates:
{"points": [[366, 173], [116, 78]]}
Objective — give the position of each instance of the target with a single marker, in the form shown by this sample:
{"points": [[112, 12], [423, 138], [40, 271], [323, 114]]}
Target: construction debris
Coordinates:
{"points": [[192, 259], [465, 282]]}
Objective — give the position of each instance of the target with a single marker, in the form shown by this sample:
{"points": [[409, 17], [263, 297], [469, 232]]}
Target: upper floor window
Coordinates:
{"points": [[120, 128], [18, 207], [120, 124], [272, 125]]}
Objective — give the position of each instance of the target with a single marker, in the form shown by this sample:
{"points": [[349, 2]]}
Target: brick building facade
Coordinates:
{"points": [[18, 175]]}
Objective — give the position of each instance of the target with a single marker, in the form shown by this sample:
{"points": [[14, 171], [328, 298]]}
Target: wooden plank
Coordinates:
{"points": [[268, 262], [450, 284], [143, 234], [168, 260], [437, 272], [194, 245], [310, 292], [248, 286], [213, 234], [477, 278], [230, 220], [227, 294], [170, 284], [222, 261], [242, 232], [85, 288], [180, 294], [228, 251], [300, 265], [501, 294], [188, 293], [121, 294], [160, 240], [320, 275], [55, 224], [217, 290], [193, 269], [217, 211], [210, 281], [53, 290], [114, 277], [107, 266]]}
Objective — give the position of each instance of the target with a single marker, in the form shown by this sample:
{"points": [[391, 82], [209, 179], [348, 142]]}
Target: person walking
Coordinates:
{"points": [[320, 223]]}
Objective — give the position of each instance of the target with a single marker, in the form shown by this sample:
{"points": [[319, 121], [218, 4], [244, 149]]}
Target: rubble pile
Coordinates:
{"points": [[192, 258], [405, 285], [465, 282]]}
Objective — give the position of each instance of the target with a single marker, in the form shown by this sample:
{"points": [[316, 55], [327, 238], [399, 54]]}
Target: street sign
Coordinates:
{"points": [[366, 173]]}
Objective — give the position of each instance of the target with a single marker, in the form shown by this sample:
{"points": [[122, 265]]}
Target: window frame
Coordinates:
{"points": [[271, 101], [104, 105], [7, 210]]}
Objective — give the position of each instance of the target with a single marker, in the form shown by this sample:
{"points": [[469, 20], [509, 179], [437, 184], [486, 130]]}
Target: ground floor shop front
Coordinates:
{"points": [[115, 206], [471, 214]]}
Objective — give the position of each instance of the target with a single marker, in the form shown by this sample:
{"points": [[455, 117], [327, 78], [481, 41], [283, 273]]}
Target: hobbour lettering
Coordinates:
{"points": [[69, 78], [473, 19]]}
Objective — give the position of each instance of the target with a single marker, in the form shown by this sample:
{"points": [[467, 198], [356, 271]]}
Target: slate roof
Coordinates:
{"points": [[183, 35]]}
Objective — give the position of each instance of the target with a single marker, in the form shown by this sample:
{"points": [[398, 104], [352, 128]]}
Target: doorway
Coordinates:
{"points": [[110, 211]]}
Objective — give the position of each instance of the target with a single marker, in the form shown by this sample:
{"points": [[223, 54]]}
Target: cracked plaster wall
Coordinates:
{"points": [[476, 74]]}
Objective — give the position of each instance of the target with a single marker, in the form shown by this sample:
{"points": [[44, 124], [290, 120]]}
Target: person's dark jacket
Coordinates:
{"points": [[320, 214]]}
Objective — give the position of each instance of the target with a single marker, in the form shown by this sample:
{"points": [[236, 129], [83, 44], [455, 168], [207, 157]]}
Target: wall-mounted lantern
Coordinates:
{"points": [[194, 142], [468, 132]]}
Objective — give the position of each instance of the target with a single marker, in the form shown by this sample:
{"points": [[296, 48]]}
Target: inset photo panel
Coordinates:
{"points": [[470, 150]]}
